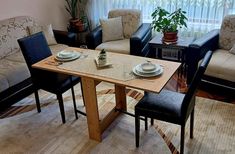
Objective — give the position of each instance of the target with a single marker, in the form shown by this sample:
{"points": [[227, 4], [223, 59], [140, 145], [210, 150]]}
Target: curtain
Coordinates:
{"points": [[203, 15]]}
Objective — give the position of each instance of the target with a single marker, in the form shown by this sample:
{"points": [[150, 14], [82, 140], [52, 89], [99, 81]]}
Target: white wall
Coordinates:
{"points": [[45, 11]]}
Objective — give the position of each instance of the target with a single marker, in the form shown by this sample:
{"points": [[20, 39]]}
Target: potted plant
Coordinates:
{"points": [[168, 23], [82, 24], [73, 7]]}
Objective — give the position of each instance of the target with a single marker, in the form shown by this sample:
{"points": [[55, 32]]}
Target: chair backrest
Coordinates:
{"points": [[34, 49], [131, 20], [188, 104], [227, 33]]}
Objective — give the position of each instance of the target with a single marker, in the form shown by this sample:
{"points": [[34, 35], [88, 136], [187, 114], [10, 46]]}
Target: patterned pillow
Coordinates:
{"points": [[227, 33], [47, 31], [232, 50], [111, 29], [131, 20]]}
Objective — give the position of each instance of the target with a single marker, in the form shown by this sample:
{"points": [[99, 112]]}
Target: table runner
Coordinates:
{"points": [[121, 68]]}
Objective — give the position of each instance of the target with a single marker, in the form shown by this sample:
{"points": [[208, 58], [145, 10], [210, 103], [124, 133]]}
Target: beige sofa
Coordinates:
{"points": [[15, 80]]}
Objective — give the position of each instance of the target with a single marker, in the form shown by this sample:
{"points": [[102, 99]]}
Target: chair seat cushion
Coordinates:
{"points": [[222, 65], [164, 106], [119, 46]]}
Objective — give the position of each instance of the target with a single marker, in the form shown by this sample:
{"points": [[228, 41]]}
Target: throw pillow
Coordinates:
{"points": [[112, 29], [232, 50], [47, 31]]}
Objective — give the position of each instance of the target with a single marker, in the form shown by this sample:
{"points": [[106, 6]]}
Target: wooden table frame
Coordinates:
{"points": [[96, 126], [89, 82]]}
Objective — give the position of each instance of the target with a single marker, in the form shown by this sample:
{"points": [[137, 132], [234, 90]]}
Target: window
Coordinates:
{"points": [[203, 15]]}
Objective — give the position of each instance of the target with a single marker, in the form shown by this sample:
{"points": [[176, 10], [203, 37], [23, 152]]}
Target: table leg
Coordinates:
{"points": [[120, 96], [89, 92]]}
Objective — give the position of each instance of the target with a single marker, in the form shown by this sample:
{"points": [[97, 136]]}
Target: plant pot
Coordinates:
{"points": [[170, 36], [81, 26], [72, 24]]}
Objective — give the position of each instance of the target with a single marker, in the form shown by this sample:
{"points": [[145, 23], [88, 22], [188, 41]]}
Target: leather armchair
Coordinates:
{"points": [[198, 49], [220, 70], [64, 37], [138, 40]]}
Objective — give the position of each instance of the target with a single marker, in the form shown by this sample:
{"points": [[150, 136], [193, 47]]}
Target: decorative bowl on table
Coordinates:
{"points": [[147, 69], [67, 55]]}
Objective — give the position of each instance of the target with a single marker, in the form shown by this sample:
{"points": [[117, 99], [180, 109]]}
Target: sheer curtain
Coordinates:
{"points": [[203, 15]]}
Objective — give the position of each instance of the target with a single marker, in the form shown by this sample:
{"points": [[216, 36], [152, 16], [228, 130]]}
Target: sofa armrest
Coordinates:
{"points": [[139, 40], [197, 50], [94, 38], [65, 37]]}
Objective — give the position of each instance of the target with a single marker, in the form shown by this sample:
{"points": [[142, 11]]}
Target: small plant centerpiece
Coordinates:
{"points": [[168, 23], [102, 58]]}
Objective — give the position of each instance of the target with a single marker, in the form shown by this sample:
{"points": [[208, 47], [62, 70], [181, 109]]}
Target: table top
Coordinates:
{"points": [[121, 64], [182, 42]]}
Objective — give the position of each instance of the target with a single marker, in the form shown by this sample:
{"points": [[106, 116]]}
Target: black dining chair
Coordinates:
{"points": [[34, 49], [171, 106]]}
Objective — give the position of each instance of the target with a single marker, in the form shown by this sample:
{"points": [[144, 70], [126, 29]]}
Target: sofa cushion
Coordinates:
{"points": [[109, 33], [17, 56], [222, 65], [47, 31], [119, 46], [14, 72], [131, 20], [227, 33], [11, 30], [3, 83]]}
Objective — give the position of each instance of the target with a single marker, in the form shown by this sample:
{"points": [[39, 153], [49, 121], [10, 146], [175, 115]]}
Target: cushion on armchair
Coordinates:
{"points": [[222, 65], [118, 46], [109, 33], [131, 20], [227, 33]]}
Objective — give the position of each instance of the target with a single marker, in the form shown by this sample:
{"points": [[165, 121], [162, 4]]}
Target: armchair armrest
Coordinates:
{"points": [[64, 37], [94, 38], [197, 50], [139, 40]]}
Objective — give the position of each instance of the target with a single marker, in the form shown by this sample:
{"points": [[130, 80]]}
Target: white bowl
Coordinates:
{"points": [[148, 66]]}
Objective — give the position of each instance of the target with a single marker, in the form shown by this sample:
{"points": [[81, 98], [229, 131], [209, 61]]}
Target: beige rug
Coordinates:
{"points": [[23, 130]]}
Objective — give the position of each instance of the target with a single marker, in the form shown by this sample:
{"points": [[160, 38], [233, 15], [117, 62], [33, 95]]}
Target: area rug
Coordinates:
{"points": [[23, 130]]}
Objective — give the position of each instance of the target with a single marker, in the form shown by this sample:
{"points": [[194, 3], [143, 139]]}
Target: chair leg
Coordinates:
{"points": [[137, 130], [182, 139], [191, 124], [61, 104], [146, 123], [152, 121], [37, 101], [74, 103], [82, 93]]}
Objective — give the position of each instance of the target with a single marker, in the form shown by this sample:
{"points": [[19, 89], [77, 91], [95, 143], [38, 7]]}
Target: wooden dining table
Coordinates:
{"points": [[119, 73]]}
